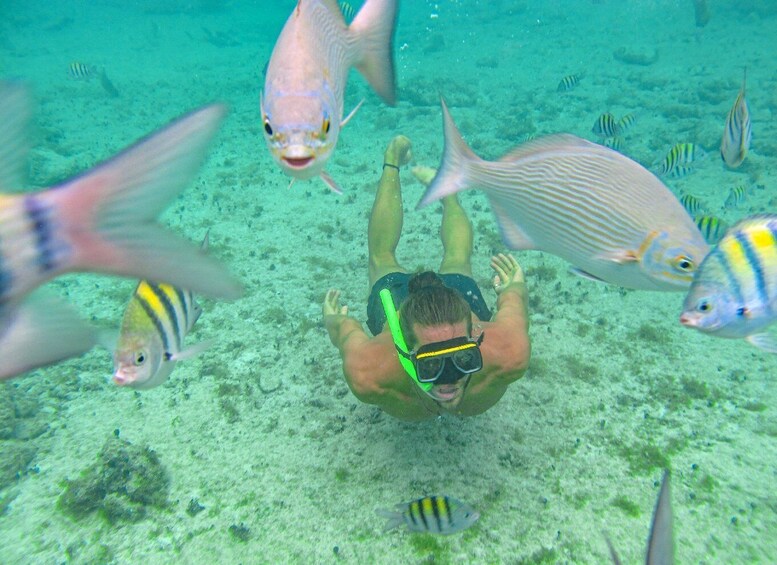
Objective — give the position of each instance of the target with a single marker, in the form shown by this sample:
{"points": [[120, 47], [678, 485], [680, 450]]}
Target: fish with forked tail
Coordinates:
{"points": [[103, 220], [592, 206], [304, 87]]}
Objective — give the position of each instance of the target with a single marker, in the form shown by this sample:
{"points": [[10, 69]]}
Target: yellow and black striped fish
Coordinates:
{"points": [[625, 123], [606, 126], [348, 11], [737, 132], [679, 157], [569, 82], [691, 204], [615, 143], [711, 227], [736, 196], [431, 514], [155, 323], [80, 71], [735, 290]]}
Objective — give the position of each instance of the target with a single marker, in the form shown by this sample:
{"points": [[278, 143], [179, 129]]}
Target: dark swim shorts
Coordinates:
{"points": [[397, 284]]}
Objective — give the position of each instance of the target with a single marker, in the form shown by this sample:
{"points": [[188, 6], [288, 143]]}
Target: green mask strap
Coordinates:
{"points": [[392, 317]]}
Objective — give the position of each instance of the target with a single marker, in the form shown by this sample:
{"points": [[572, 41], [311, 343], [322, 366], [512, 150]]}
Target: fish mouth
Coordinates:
{"points": [[298, 162]]}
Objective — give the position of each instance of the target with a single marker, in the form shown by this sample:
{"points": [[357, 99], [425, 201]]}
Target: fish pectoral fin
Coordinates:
{"points": [[586, 275], [330, 182], [513, 236], [352, 113], [763, 341], [190, 352]]}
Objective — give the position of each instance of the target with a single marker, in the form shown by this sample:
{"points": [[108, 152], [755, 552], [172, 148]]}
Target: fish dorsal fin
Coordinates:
{"points": [[352, 113], [549, 142], [15, 111], [330, 182], [512, 234], [758, 220]]}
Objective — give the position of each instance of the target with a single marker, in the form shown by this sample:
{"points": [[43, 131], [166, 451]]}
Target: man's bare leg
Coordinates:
{"points": [[386, 218], [456, 235]]}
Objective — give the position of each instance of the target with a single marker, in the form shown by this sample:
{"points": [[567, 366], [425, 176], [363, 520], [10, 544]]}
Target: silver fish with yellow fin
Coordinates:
{"points": [[153, 329], [103, 220], [304, 87], [597, 209], [737, 132], [432, 515], [734, 293]]}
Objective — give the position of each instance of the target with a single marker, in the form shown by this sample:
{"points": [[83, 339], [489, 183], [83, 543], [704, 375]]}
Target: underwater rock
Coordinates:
{"points": [[7, 415], [124, 481], [641, 58], [15, 457]]}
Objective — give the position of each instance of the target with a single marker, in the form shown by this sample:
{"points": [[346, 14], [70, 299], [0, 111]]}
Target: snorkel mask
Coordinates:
{"points": [[444, 362]]}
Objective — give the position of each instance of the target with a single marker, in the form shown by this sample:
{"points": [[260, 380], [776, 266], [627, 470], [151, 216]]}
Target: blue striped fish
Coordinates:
{"points": [[103, 220], [679, 157], [155, 323], [606, 126], [737, 132], [304, 88], [711, 227], [431, 514], [597, 209], [736, 196], [569, 82], [734, 294]]}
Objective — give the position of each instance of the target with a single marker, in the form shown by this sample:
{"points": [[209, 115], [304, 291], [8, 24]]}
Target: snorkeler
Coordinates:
{"points": [[443, 351]]}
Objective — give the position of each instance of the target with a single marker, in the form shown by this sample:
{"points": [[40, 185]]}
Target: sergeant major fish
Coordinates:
{"points": [[737, 132], [734, 294], [103, 220], [302, 100], [592, 206], [431, 514], [155, 323]]}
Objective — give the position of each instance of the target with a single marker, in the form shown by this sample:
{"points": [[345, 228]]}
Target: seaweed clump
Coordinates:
{"points": [[121, 485]]}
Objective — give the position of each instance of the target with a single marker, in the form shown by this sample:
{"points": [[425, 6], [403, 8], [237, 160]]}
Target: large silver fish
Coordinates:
{"points": [[302, 100], [592, 206], [103, 220]]}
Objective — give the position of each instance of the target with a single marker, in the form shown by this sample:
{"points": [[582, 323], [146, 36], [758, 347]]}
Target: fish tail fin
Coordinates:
{"points": [[373, 27], [107, 217], [393, 518], [455, 172], [41, 331]]}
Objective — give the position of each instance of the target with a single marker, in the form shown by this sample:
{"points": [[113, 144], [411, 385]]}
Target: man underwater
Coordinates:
{"points": [[446, 353]]}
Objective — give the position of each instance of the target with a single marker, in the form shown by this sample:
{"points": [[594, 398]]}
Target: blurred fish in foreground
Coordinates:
{"points": [[737, 132], [431, 514], [660, 544], [597, 209], [103, 220], [155, 323], [734, 293], [304, 88]]}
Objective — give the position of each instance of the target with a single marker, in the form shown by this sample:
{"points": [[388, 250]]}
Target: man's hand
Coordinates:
{"points": [[330, 305], [507, 271]]}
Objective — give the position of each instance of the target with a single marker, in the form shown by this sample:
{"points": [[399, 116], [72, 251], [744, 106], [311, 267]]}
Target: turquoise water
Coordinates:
{"points": [[268, 456]]}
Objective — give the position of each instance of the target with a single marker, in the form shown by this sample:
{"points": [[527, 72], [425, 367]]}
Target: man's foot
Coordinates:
{"points": [[398, 152], [424, 174]]}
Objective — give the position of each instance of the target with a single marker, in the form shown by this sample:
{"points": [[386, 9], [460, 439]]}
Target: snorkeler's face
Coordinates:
{"points": [[449, 394]]}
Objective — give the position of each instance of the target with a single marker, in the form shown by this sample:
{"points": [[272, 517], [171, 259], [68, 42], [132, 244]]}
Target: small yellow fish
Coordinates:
{"points": [[737, 132], [711, 227]]}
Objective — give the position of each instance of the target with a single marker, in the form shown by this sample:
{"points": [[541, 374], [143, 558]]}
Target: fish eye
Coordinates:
{"points": [[741, 311], [140, 358], [327, 124], [703, 306], [267, 127], [684, 264]]}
